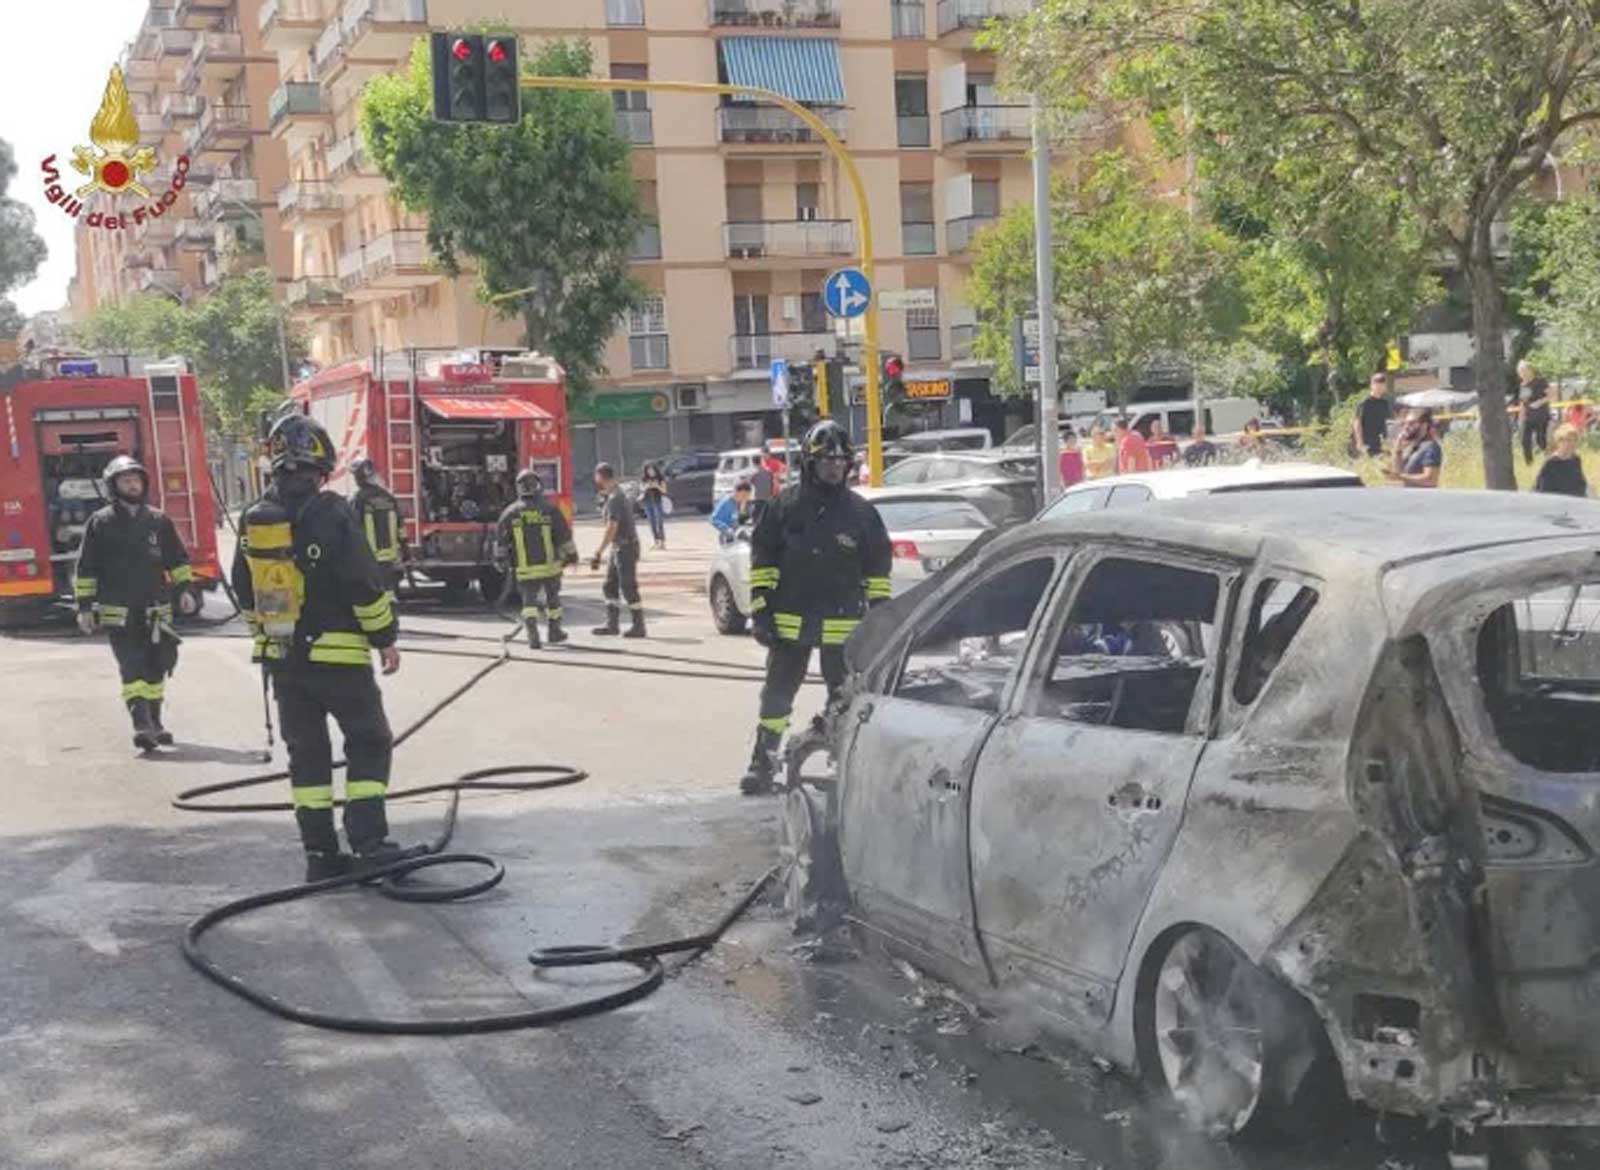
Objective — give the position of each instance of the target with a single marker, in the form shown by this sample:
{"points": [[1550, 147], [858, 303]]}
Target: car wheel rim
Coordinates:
{"points": [[794, 852], [1208, 1033], [188, 603], [722, 601]]}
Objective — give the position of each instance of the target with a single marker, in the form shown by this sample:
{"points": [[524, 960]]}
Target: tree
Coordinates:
{"points": [[1139, 284], [549, 204], [1561, 293], [1454, 104], [21, 249], [150, 324]]}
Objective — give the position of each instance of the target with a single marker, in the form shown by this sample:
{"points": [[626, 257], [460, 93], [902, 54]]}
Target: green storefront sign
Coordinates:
{"points": [[619, 407]]}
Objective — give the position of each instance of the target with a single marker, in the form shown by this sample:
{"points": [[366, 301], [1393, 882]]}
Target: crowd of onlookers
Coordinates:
{"points": [[1123, 450]]}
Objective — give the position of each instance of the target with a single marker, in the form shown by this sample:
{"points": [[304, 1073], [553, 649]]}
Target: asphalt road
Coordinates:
{"points": [[770, 1051]]}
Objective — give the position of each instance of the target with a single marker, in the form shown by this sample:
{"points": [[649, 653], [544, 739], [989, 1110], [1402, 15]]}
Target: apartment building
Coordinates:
{"points": [[749, 210]]}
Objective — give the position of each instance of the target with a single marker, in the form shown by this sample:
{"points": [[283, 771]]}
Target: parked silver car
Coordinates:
{"points": [[1279, 797]]}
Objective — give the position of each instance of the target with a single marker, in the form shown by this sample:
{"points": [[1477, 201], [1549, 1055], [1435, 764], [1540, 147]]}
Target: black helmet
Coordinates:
{"points": [[365, 471], [826, 439], [122, 465], [529, 483], [298, 441]]}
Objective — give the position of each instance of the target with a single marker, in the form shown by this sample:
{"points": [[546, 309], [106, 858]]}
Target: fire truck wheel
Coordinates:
{"points": [[189, 601], [490, 581]]}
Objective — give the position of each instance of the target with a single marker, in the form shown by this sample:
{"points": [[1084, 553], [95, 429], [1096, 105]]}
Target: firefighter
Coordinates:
{"points": [[622, 568], [378, 513], [318, 604], [129, 566], [535, 539], [819, 558]]}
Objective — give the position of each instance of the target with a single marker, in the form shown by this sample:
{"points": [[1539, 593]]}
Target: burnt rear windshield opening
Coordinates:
{"points": [[1538, 661]]}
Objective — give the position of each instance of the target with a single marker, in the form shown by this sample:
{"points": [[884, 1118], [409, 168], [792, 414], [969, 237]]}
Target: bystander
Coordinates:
{"points": [[1370, 427], [1201, 452], [1533, 393], [1133, 453], [1163, 447], [1418, 455], [1562, 473], [1071, 464]]}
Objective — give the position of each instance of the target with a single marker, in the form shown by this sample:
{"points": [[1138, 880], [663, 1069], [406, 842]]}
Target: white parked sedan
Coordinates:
{"points": [[928, 529], [1177, 483]]}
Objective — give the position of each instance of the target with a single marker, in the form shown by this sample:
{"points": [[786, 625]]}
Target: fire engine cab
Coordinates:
{"points": [[59, 427], [448, 431]]}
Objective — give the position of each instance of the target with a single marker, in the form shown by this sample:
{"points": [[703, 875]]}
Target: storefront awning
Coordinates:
{"points": [[488, 408], [803, 68]]}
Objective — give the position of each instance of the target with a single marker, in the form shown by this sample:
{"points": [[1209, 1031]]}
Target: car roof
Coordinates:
{"points": [[879, 495], [1174, 483]]}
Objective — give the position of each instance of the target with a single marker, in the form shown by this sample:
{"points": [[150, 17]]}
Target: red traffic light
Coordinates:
{"points": [[497, 51], [462, 49], [894, 367]]}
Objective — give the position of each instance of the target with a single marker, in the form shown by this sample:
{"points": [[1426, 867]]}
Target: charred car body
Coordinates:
{"points": [[1276, 792]]}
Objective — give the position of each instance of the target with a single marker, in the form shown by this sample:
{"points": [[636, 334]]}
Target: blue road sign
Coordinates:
{"points": [[780, 383], [846, 292]]}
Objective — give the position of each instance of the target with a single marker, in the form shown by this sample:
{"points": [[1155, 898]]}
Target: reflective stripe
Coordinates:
{"points": [[758, 603], [340, 648], [365, 789], [85, 587], [555, 614], [877, 588], [787, 626], [778, 723], [764, 578], [387, 556], [377, 615], [113, 615], [381, 552], [313, 796], [837, 631], [182, 574], [530, 612], [539, 572], [266, 537], [141, 689], [133, 690]]}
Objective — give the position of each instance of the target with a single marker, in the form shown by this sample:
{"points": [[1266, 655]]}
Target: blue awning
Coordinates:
{"points": [[803, 68]]}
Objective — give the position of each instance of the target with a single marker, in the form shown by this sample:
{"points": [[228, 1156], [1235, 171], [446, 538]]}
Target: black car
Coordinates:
{"points": [[1000, 483], [689, 476]]}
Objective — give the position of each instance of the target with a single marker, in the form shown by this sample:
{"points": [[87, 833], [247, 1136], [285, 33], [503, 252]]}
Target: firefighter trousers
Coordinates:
{"points": [[622, 578], [549, 590], [786, 670], [143, 663], [307, 697]]}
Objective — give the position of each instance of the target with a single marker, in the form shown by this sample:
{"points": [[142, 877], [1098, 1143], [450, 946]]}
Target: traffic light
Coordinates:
{"points": [[502, 91], [894, 373], [458, 77]]}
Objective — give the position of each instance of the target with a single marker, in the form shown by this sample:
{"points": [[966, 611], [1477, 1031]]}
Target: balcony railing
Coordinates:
{"points": [[328, 45], [757, 351], [361, 18], [988, 124], [176, 42], [199, 13], [218, 123], [636, 126], [195, 236], [229, 199], [649, 351], [180, 109], [314, 292], [142, 75], [162, 280], [399, 254], [625, 13], [309, 197], [773, 124], [919, 239], [293, 98], [647, 245], [209, 46], [750, 240], [910, 20], [914, 129], [958, 233], [958, 14], [776, 13]]}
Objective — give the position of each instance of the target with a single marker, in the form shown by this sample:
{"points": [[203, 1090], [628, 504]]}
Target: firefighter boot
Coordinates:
{"points": [[321, 843], [637, 629], [612, 626], [322, 866], [532, 627], [163, 736], [376, 856], [144, 731], [557, 634], [758, 778]]}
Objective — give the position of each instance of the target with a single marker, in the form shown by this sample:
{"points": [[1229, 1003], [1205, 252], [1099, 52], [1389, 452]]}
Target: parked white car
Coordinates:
{"points": [[1177, 483], [928, 530]]}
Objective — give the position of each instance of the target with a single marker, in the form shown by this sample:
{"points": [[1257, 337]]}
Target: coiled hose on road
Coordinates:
{"points": [[391, 882]]}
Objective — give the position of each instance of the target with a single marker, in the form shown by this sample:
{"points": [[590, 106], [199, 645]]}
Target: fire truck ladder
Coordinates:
{"points": [[170, 447], [400, 416]]}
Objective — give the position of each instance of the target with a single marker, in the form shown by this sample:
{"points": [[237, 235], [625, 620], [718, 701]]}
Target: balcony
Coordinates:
{"points": [[158, 280], [910, 20], [625, 13], [756, 240], [647, 246], [774, 126], [289, 24], [970, 15], [315, 296], [195, 236], [220, 133], [200, 13], [151, 126], [240, 248], [176, 42], [161, 232], [1002, 127], [758, 351], [958, 233], [649, 351], [382, 28], [180, 109], [229, 199], [296, 113], [775, 13], [387, 265], [350, 170], [216, 59], [309, 199], [636, 126], [142, 74]]}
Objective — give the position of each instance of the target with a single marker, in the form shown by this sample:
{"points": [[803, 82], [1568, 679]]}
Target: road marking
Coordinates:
{"points": [[77, 904]]}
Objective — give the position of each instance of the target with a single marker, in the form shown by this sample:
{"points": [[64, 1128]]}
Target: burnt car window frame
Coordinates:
{"points": [[1253, 597], [1202, 718]]}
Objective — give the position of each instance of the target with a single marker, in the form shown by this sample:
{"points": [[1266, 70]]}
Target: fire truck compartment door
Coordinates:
{"points": [[463, 409], [111, 436]]}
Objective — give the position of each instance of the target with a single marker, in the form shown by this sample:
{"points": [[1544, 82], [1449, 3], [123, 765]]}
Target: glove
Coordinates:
{"points": [[594, 563], [761, 627], [86, 621], [570, 559]]}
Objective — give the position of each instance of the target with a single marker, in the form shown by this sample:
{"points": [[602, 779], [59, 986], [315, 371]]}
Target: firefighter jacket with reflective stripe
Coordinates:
{"points": [[130, 560], [347, 609], [818, 557], [535, 538], [379, 516]]}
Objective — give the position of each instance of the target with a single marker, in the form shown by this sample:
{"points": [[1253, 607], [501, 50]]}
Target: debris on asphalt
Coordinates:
{"points": [[893, 1125], [804, 1098], [682, 1133]]}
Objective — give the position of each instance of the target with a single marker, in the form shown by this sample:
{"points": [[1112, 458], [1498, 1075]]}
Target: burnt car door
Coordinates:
{"points": [[1079, 793], [911, 749]]}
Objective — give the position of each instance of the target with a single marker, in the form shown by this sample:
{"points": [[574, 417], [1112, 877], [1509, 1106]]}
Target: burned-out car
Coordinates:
{"points": [[1255, 797]]}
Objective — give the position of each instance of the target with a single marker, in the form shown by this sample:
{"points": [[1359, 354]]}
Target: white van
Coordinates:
{"points": [[1221, 416]]}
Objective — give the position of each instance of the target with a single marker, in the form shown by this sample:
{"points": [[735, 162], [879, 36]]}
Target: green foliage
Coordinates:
{"points": [[148, 324], [21, 249], [1139, 284], [1563, 291], [549, 204]]}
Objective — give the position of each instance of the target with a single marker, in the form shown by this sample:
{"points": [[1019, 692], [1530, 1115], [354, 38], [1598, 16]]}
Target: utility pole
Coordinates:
{"points": [[1044, 262]]}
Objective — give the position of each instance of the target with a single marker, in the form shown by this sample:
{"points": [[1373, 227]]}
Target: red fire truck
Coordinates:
{"points": [[448, 430], [58, 430]]}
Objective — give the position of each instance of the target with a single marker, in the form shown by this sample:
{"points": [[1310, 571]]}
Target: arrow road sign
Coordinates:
{"points": [[846, 292]]}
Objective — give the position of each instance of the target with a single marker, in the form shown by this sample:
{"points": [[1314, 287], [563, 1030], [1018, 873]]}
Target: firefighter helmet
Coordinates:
{"points": [[298, 441], [123, 465], [529, 483], [365, 472], [826, 440]]}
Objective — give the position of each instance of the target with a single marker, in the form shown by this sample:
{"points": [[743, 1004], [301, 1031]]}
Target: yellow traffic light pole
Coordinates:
{"points": [[869, 356]]}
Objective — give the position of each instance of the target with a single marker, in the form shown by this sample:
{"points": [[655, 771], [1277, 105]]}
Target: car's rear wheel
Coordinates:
{"points": [[809, 863], [1238, 1052], [724, 609]]}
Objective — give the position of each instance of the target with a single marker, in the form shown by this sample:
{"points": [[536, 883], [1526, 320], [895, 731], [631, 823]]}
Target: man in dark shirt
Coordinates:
{"points": [[1533, 392], [1372, 417], [622, 572], [1202, 452]]}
